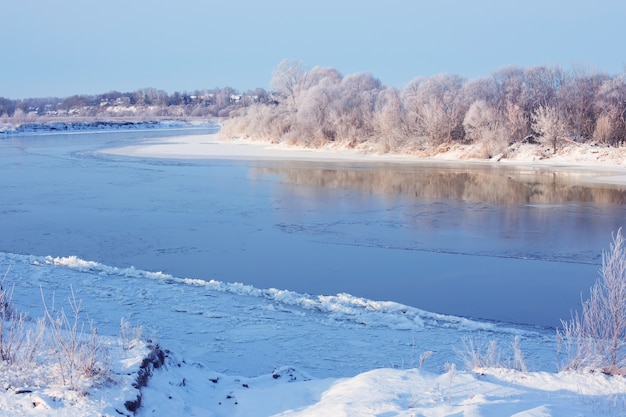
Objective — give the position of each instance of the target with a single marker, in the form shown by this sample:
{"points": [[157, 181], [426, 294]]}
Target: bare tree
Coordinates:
{"points": [[7, 106]]}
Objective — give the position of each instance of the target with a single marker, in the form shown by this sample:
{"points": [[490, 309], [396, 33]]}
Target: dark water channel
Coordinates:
{"points": [[486, 242]]}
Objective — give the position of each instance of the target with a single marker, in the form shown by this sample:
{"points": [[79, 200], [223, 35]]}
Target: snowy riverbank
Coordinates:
{"points": [[590, 163], [246, 351], [73, 126]]}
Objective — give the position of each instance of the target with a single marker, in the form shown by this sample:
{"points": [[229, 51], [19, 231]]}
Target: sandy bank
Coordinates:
{"points": [[592, 164]]}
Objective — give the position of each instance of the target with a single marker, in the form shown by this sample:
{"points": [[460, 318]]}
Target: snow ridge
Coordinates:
{"points": [[340, 307]]}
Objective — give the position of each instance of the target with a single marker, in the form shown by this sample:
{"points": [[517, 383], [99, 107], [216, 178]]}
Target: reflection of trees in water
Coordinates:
{"points": [[493, 186]]}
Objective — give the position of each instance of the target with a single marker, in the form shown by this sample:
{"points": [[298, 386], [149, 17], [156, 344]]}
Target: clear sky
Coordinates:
{"points": [[66, 47]]}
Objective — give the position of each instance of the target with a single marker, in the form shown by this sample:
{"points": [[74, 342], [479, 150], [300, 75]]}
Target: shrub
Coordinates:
{"points": [[78, 354], [478, 354], [596, 338], [129, 336], [11, 326], [65, 347], [19, 342]]}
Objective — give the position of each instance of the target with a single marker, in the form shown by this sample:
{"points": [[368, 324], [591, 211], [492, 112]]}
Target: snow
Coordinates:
{"points": [[236, 350], [594, 163], [39, 391]]}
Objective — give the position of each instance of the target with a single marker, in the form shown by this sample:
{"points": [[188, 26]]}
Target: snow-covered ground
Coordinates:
{"points": [[236, 350], [607, 164]]}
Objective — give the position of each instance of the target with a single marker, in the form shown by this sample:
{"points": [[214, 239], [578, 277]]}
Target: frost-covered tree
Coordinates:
{"points": [[316, 104], [287, 78], [320, 105], [596, 338], [316, 101], [541, 85], [435, 107], [318, 75], [19, 116], [549, 126], [354, 108], [510, 101], [577, 103], [610, 105], [483, 126], [390, 120]]}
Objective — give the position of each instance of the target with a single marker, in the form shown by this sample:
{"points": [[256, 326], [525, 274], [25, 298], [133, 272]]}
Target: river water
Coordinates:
{"points": [[495, 243]]}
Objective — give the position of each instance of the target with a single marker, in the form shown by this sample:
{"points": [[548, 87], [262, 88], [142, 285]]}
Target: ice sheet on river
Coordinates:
{"points": [[240, 329]]}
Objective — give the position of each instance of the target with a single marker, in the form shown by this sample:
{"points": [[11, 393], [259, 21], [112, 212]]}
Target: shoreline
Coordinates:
{"points": [[585, 162]]}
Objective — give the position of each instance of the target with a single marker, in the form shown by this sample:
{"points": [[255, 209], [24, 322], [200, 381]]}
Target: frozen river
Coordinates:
{"points": [[499, 243]]}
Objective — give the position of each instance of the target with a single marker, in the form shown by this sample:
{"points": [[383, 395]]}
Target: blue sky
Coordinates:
{"points": [[66, 47]]}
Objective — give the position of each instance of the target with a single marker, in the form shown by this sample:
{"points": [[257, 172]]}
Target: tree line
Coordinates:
{"points": [[540, 104], [145, 104], [312, 107]]}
